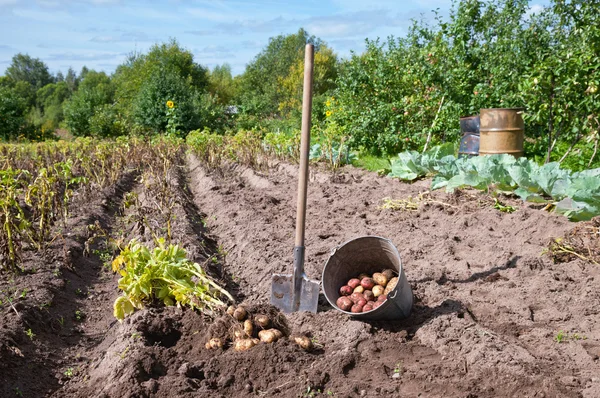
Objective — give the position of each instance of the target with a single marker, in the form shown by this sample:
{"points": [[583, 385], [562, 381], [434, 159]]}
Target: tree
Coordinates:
{"points": [[259, 92], [138, 69], [49, 101], [221, 84], [71, 79], [30, 70], [95, 89], [12, 113], [59, 77]]}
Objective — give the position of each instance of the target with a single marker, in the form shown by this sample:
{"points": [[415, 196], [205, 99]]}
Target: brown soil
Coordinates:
{"points": [[493, 316]]}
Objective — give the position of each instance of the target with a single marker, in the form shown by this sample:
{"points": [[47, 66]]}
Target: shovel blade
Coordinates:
{"points": [[284, 297]]}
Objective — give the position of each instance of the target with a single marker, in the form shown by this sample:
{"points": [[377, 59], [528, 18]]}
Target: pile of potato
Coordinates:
{"points": [[252, 330], [366, 292]]}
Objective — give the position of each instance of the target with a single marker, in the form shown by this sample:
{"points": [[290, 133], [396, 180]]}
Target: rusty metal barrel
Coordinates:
{"points": [[501, 131], [469, 143]]}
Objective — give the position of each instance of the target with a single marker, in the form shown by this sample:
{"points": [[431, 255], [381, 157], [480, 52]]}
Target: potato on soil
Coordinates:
{"points": [[391, 285], [378, 290], [240, 313], [269, 336], [244, 344], [230, 310], [359, 289], [239, 334], [356, 296], [369, 295], [262, 321], [380, 279], [248, 327], [214, 343], [304, 342], [367, 283], [346, 290], [356, 308], [344, 303], [388, 273], [354, 282]]}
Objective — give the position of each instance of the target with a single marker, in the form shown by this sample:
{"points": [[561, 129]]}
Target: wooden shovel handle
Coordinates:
{"points": [[304, 144]]}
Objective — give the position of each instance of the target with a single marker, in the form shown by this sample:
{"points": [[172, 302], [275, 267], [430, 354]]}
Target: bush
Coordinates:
{"points": [[12, 114]]}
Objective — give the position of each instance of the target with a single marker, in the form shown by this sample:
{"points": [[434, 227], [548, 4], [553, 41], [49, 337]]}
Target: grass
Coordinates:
{"points": [[371, 162]]}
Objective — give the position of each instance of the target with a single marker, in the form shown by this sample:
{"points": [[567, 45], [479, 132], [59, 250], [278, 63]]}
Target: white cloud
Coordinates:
{"points": [[42, 16]]}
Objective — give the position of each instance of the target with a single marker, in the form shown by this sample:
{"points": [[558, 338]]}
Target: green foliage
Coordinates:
{"points": [[163, 274], [221, 84], [164, 85], [271, 82], [95, 90], [30, 70], [12, 114], [574, 194]]}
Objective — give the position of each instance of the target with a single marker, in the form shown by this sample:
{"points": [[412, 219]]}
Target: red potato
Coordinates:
{"points": [[363, 275], [377, 304], [389, 273], [356, 308], [359, 289], [362, 302], [382, 298], [369, 295], [368, 307], [344, 303], [367, 283], [354, 282], [345, 290], [355, 297]]}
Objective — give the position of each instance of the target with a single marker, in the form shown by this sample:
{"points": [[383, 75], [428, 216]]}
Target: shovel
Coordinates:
{"points": [[295, 292]]}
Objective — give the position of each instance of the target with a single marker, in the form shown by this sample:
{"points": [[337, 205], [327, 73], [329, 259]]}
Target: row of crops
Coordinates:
{"points": [[574, 194], [39, 181]]}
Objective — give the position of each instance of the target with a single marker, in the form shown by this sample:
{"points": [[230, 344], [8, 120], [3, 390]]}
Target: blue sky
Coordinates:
{"points": [[100, 33]]}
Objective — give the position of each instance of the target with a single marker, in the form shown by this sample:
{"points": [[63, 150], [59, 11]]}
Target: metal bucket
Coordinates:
{"points": [[368, 254], [469, 143], [502, 131]]}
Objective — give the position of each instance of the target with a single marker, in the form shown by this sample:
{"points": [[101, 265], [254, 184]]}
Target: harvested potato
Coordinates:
{"points": [[262, 321], [269, 336], [346, 290], [356, 296], [344, 303], [380, 279], [230, 310], [356, 308], [367, 283], [377, 304], [363, 276], [391, 285], [369, 295], [362, 302], [244, 344], [378, 290], [368, 307], [240, 313], [359, 289], [239, 334], [248, 327], [382, 298], [304, 342], [214, 343], [353, 283], [388, 273]]}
